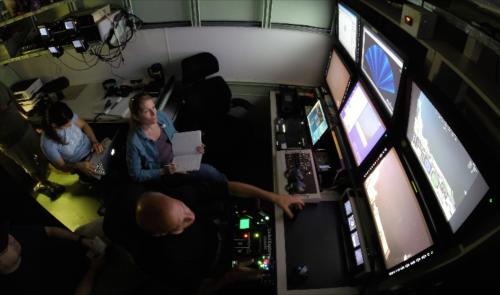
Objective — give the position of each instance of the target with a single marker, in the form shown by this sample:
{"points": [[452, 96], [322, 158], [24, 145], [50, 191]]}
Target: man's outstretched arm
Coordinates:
{"points": [[244, 190]]}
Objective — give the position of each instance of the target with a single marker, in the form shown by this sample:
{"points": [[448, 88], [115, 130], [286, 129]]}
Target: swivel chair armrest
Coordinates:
{"points": [[239, 102]]}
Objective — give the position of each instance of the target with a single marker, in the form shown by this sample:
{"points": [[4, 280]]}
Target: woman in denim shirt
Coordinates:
{"points": [[149, 148]]}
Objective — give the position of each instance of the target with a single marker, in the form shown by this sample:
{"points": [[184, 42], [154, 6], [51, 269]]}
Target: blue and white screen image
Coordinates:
{"points": [[348, 30], [453, 175], [317, 122], [362, 123], [382, 66]]}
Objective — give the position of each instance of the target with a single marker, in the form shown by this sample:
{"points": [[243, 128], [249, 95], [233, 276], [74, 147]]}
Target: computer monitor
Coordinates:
{"points": [[337, 79], [453, 175], [361, 122], [401, 227], [317, 122], [348, 30], [382, 66]]}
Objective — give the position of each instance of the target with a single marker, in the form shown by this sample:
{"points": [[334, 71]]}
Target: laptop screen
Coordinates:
{"points": [[317, 122]]}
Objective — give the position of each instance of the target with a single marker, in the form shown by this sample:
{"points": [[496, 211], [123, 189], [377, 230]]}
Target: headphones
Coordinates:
{"points": [[112, 89]]}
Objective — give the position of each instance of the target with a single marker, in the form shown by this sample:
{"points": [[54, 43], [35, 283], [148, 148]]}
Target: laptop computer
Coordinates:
{"points": [[102, 160]]}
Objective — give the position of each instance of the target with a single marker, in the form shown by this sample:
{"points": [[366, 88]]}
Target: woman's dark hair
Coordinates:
{"points": [[58, 114], [135, 104]]}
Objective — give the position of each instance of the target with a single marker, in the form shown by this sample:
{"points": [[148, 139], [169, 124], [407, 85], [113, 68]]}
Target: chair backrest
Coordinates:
{"points": [[209, 99], [198, 67]]}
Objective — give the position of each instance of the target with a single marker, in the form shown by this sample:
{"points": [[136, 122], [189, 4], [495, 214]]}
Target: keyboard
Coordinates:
{"points": [[100, 161], [297, 174]]}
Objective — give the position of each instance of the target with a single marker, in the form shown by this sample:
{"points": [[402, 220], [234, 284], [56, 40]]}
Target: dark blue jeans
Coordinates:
{"points": [[207, 173]]}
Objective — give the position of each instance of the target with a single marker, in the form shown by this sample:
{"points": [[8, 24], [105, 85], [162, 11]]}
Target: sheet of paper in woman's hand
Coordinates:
{"points": [[186, 157]]}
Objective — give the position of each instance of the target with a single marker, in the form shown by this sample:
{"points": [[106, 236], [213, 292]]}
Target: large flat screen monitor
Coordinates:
{"points": [[348, 30], [337, 79], [361, 122], [317, 122], [382, 66], [401, 227], [454, 177]]}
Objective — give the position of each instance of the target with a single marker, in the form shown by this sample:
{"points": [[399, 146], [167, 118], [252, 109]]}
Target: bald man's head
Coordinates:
{"points": [[159, 214]]}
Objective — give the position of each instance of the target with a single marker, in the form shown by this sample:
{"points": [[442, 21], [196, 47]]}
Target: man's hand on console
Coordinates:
{"points": [[286, 202]]}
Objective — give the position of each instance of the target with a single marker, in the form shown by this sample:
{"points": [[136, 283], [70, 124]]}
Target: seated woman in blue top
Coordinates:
{"points": [[149, 148], [67, 140]]}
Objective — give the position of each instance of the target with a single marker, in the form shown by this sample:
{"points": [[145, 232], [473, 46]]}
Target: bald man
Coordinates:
{"points": [[172, 236]]}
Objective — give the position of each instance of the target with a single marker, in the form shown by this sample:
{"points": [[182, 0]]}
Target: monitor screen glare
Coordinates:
{"points": [[317, 122], [401, 227], [69, 25], [352, 223], [362, 123], [382, 66], [43, 31], [454, 177], [348, 30], [359, 257], [348, 207], [355, 239], [337, 79]]}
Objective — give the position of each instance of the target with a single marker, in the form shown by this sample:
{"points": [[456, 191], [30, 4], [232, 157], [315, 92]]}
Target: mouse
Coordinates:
{"points": [[299, 275], [295, 211], [294, 174], [296, 187]]}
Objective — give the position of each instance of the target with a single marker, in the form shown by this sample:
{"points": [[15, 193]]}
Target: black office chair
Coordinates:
{"points": [[207, 105]]}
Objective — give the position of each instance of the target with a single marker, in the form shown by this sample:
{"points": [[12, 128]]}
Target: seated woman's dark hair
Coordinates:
{"points": [[58, 114]]}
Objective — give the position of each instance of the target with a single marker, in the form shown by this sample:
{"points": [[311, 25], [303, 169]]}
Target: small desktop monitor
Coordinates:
{"points": [[317, 122], [401, 227], [355, 239], [361, 122], [44, 31], [359, 257], [348, 30], [70, 25], [352, 222], [348, 207], [337, 79], [382, 67], [453, 175]]}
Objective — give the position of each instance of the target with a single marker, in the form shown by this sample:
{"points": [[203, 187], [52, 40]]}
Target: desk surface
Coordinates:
{"points": [[282, 284], [89, 102]]}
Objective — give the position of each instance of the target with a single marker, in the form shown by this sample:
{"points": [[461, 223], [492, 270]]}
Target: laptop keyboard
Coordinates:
{"points": [[98, 159], [300, 175]]}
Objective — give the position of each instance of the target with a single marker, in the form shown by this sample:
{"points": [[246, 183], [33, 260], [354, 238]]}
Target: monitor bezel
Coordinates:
{"points": [[389, 44]]}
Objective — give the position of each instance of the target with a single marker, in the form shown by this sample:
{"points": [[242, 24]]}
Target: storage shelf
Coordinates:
{"points": [[35, 53], [32, 13]]}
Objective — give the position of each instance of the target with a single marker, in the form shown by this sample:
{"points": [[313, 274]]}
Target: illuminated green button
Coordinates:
{"points": [[244, 223]]}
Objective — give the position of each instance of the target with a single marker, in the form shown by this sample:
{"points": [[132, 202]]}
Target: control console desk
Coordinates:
{"points": [[309, 248]]}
